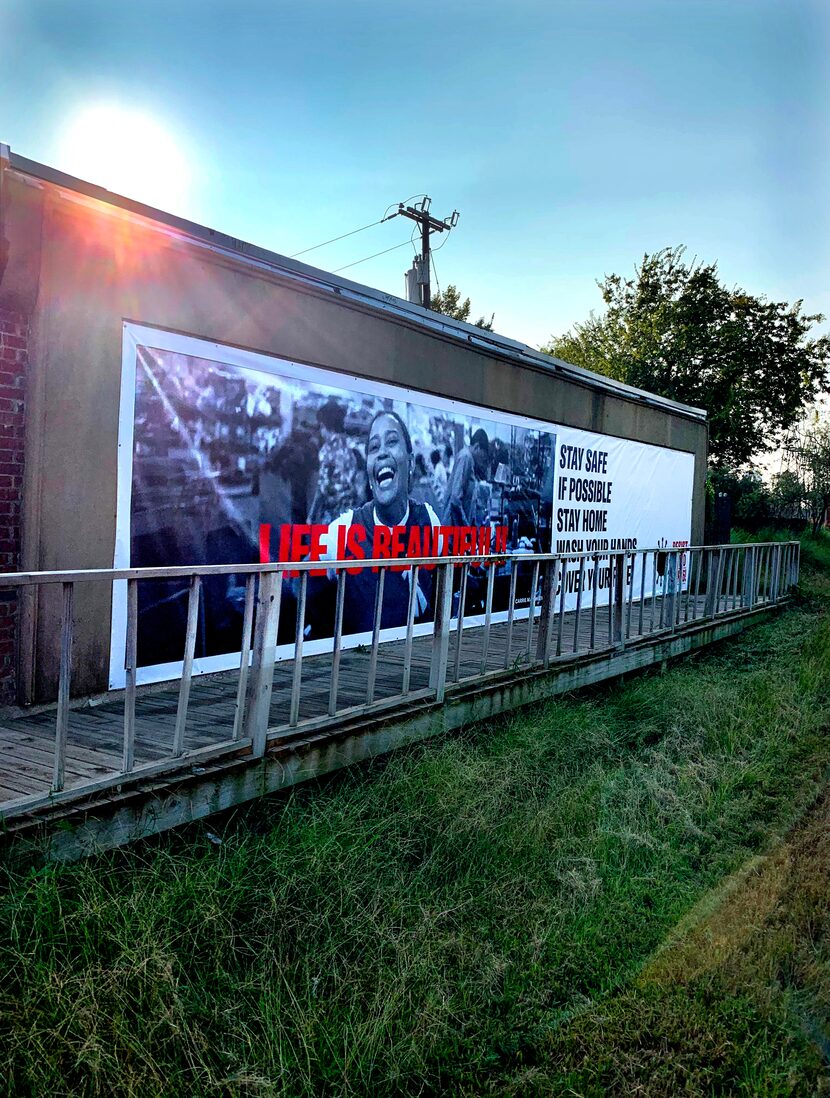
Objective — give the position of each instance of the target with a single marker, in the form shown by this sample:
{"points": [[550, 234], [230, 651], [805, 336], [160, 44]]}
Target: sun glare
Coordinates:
{"points": [[128, 153]]}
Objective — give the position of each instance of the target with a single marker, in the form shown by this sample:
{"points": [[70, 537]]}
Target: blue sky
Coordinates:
{"points": [[572, 136]]}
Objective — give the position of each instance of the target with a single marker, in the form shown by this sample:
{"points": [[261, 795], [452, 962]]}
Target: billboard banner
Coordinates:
{"points": [[230, 456]]}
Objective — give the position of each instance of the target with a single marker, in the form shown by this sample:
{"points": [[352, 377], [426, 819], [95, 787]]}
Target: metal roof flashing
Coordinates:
{"points": [[255, 255]]}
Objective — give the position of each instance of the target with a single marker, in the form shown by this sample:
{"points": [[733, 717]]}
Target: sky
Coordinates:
{"points": [[572, 137]]}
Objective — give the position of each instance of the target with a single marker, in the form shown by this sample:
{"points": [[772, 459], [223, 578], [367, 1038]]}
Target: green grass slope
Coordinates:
{"points": [[479, 915]]}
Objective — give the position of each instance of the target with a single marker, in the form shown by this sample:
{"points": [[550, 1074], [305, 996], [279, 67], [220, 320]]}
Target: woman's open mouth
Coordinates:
{"points": [[384, 476]]}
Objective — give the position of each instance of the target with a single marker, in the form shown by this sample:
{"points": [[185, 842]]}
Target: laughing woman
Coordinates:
{"points": [[389, 470]]}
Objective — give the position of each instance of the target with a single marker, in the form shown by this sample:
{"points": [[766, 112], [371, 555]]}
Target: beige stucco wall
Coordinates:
{"points": [[81, 269]]}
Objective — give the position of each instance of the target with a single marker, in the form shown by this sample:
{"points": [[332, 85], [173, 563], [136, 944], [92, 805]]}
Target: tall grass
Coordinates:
{"points": [[426, 924]]}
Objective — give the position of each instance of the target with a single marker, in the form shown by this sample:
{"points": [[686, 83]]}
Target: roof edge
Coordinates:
{"points": [[388, 303]]}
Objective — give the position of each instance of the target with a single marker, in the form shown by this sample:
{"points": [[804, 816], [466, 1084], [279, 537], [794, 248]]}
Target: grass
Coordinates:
{"points": [[486, 914]]}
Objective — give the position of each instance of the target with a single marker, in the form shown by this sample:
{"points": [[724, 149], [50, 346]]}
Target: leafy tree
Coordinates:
{"points": [[751, 500], [676, 330], [450, 304], [811, 456], [787, 495]]}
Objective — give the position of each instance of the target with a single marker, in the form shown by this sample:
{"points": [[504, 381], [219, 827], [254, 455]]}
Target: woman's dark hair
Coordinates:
{"points": [[421, 465], [392, 415]]}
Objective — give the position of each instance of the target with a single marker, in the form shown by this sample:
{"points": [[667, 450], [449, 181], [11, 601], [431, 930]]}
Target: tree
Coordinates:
{"points": [[676, 330], [787, 495], [811, 458], [450, 304]]}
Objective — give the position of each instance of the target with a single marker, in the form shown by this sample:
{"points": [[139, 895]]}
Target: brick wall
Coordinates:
{"points": [[13, 363]]}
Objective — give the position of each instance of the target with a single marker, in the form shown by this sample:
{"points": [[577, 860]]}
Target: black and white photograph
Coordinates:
{"points": [[225, 457]]}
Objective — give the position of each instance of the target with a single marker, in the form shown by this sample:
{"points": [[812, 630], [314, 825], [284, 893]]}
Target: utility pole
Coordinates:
{"points": [[419, 213]]}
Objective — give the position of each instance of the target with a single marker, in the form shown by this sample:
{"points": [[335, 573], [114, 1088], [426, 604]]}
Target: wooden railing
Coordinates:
{"points": [[580, 605]]}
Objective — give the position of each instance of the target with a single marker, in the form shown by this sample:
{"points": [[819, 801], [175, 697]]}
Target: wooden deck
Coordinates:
{"points": [[95, 732]]}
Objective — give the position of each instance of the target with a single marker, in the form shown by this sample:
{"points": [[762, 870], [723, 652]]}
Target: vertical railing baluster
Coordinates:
{"points": [[776, 582], [762, 565], [719, 579], [708, 603], [730, 578], [795, 561], [594, 600], [534, 583], [130, 660], [299, 636], [578, 610], [733, 596], [337, 641], [441, 631], [630, 609], [671, 563], [62, 721], [653, 591], [269, 599], [462, 601], [560, 617], [616, 579], [187, 664], [610, 599], [488, 615], [373, 657], [665, 589], [727, 583], [410, 625], [244, 656], [511, 611], [643, 560], [701, 554], [550, 580], [690, 556]]}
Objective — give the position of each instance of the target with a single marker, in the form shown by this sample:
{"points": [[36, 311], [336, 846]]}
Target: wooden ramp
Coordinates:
{"points": [[95, 732]]}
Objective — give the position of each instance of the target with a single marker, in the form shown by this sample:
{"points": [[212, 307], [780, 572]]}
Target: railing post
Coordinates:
{"points": [[776, 576], [187, 664], [62, 724], [262, 662], [130, 661], [244, 657], [748, 585], [713, 577], [618, 575], [376, 624], [297, 669], [441, 633], [488, 614], [550, 571], [337, 641]]}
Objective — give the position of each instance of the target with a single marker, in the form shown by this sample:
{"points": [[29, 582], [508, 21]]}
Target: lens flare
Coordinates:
{"points": [[129, 153]]}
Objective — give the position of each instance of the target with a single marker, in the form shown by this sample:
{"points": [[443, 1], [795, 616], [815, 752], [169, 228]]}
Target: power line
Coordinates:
{"points": [[368, 257], [314, 247]]}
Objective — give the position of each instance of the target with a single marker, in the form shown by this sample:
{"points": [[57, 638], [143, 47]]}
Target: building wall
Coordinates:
{"points": [[13, 361], [85, 267]]}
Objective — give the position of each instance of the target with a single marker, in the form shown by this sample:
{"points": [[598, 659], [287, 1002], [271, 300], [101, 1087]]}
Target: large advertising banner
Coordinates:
{"points": [[229, 456]]}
